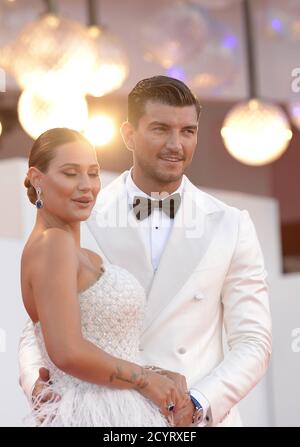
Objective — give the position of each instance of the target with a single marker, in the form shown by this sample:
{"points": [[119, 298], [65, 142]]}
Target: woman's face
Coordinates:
{"points": [[71, 184]]}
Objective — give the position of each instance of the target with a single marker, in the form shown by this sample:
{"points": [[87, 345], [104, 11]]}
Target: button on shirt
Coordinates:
{"points": [[155, 231]]}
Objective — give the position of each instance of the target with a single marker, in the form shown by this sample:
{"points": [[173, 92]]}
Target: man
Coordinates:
{"points": [[198, 259]]}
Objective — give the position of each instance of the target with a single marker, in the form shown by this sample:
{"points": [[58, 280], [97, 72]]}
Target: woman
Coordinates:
{"points": [[88, 315]]}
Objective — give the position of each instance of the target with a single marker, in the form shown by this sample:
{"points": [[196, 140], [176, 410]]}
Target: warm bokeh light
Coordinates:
{"points": [[37, 115], [107, 78], [112, 65], [256, 133], [175, 34], [55, 51], [100, 129], [0, 128]]}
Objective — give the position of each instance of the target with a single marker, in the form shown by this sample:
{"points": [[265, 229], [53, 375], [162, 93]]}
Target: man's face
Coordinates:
{"points": [[164, 141]]}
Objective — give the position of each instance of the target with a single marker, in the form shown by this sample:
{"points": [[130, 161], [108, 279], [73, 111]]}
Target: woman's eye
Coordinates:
{"points": [[69, 174], [94, 174]]}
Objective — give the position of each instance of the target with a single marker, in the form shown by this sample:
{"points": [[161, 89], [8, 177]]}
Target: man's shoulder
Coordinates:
{"points": [[210, 203]]}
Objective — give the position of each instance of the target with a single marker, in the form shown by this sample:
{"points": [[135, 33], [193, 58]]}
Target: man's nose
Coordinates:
{"points": [[174, 141]]}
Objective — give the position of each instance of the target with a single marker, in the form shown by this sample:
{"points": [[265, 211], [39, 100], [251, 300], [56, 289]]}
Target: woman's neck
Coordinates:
{"points": [[45, 221]]}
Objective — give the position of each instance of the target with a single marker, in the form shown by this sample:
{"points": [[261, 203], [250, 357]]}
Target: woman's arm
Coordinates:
{"points": [[54, 283]]}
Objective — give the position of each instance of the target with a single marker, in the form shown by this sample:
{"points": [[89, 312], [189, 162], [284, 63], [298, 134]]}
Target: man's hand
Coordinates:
{"points": [[184, 416], [41, 384]]}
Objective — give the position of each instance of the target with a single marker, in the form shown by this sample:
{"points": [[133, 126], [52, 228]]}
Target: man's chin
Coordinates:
{"points": [[169, 177]]}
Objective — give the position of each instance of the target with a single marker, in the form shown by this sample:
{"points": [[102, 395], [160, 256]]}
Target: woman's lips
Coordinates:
{"points": [[83, 203]]}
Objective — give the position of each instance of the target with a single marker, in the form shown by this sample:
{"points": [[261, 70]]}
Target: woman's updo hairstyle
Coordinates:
{"points": [[43, 151]]}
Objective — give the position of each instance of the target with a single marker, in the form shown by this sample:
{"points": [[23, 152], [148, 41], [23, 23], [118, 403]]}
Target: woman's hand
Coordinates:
{"points": [[180, 382], [163, 391]]}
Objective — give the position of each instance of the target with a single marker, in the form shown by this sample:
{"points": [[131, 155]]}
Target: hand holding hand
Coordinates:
{"points": [[163, 391], [184, 417]]}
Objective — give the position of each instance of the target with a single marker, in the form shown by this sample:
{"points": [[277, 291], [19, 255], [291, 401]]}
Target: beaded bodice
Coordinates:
{"points": [[112, 312], [112, 315]]}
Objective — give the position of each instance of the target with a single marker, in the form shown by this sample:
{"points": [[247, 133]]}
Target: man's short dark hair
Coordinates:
{"points": [[161, 89]]}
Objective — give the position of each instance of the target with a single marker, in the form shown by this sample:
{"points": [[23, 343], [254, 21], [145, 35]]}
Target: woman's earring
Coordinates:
{"points": [[39, 202]]}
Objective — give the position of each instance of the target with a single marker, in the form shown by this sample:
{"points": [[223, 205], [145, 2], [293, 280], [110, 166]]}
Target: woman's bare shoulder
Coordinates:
{"points": [[49, 241]]}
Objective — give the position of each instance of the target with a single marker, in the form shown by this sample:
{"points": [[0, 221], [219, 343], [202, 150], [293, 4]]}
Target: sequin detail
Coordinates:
{"points": [[112, 316]]}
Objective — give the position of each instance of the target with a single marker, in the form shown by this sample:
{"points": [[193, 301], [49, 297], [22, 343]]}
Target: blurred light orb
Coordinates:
{"points": [[174, 35], [256, 133], [176, 72], [215, 67], [100, 130], [0, 128], [282, 20], [56, 48], [14, 15], [294, 112], [37, 115], [215, 4], [111, 65]]}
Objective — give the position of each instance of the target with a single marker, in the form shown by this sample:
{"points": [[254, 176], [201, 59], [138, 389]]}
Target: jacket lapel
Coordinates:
{"points": [[194, 228], [116, 231], [118, 234]]}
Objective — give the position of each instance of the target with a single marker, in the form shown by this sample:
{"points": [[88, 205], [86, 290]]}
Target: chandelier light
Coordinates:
{"points": [[111, 64], [100, 130], [255, 132], [282, 19], [111, 61], [204, 74], [54, 52], [174, 35], [36, 114], [14, 15]]}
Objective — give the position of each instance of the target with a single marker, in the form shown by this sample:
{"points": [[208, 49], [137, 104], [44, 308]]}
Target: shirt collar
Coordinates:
{"points": [[133, 189]]}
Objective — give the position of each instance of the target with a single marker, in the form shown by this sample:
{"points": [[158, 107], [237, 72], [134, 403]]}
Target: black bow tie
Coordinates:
{"points": [[143, 207]]}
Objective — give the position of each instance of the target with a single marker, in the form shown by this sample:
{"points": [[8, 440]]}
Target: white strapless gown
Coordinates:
{"points": [[112, 314]]}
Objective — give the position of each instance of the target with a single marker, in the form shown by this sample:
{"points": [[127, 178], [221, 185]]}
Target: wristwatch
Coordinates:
{"points": [[198, 413]]}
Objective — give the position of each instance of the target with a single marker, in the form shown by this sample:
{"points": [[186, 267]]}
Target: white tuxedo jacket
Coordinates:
{"points": [[211, 274]]}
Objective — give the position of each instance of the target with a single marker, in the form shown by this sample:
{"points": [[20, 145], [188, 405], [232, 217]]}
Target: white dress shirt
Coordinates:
{"points": [[155, 230], [157, 227]]}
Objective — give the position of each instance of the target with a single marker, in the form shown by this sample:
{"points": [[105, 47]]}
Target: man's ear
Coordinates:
{"points": [[127, 131]]}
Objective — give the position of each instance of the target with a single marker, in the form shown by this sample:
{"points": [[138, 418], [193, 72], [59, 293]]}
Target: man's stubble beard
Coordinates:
{"points": [[158, 175]]}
